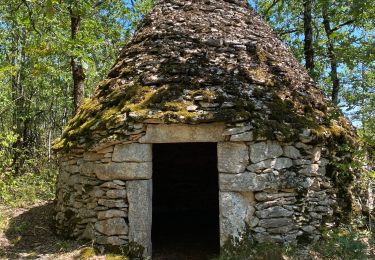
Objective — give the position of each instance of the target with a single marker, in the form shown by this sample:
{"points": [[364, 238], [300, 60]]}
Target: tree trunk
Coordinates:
{"points": [[308, 42], [331, 55], [76, 64]]}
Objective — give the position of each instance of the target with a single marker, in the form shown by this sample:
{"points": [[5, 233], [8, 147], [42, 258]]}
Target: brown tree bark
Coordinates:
{"points": [[76, 65], [331, 55], [308, 32]]}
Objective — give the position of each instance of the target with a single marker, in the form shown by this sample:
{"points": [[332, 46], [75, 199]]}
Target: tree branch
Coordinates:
{"points": [[30, 12], [342, 25], [274, 2]]}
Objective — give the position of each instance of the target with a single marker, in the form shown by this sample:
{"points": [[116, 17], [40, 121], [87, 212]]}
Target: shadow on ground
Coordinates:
{"points": [[30, 235]]}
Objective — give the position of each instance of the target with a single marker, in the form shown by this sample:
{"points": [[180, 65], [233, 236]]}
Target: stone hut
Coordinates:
{"points": [[206, 123]]}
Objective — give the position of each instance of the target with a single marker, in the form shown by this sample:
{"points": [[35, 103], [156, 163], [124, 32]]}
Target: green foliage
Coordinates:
{"points": [[29, 187], [343, 243]]}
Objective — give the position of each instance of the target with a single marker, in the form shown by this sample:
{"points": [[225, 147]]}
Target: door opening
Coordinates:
{"points": [[185, 222]]}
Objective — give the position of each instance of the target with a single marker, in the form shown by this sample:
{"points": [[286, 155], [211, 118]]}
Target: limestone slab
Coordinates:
{"points": [[140, 213], [246, 181], [236, 211], [178, 133], [112, 226], [265, 150], [119, 171], [232, 157], [133, 152], [112, 213]]}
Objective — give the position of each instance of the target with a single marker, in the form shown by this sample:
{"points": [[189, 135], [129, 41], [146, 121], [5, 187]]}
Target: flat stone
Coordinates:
{"points": [[133, 152], [273, 212], [119, 171], [111, 185], [264, 196], [311, 169], [316, 153], [301, 162], [140, 213], [92, 156], [88, 233], [106, 150], [291, 152], [96, 192], [235, 213], [112, 240], [191, 108], [114, 194], [277, 163], [242, 137], [122, 183], [112, 213], [176, 133], [265, 150], [232, 157], [237, 130], [112, 226], [281, 230], [246, 181], [274, 222], [111, 203]]}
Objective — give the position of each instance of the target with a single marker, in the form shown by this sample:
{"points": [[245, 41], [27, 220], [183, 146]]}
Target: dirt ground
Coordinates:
{"points": [[27, 233]]}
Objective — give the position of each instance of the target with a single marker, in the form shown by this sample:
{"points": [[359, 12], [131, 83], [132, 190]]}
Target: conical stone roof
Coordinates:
{"points": [[204, 61]]}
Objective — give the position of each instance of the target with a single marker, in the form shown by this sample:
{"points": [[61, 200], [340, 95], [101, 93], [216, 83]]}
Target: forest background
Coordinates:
{"points": [[54, 52]]}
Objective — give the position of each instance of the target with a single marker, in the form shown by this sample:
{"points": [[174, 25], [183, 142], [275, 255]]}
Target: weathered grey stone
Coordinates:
{"points": [[277, 163], [91, 156], [113, 240], [111, 185], [122, 183], [232, 157], [89, 232], [265, 237], [301, 162], [237, 130], [72, 168], [275, 222], [306, 136], [114, 194], [274, 212], [106, 150], [235, 213], [111, 203], [174, 133], [112, 213], [134, 152], [112, 226], [264, 196], [119, 171], [309, 229], [311, 169], [246, 181], [291, 152], [281, 230], [243, 137], [316, 153], [265, 150], [140, 213], [96, 192]]}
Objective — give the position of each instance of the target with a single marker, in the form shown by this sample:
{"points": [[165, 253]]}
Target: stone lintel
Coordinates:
{"points": [[178, 133]]}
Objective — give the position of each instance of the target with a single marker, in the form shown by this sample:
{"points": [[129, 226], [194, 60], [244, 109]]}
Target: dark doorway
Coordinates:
{"points": [[185, 222]]}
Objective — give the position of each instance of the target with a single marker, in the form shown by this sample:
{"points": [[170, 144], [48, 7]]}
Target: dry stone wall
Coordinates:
{"points": [[279, 190]]}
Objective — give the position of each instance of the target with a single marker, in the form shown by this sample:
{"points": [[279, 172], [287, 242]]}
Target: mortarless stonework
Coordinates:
{"points": [[281, 192], [203, 71]]}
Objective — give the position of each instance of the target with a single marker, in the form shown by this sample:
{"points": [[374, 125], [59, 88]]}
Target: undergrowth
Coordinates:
{"points": [[29, 187], [341, 243]]}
